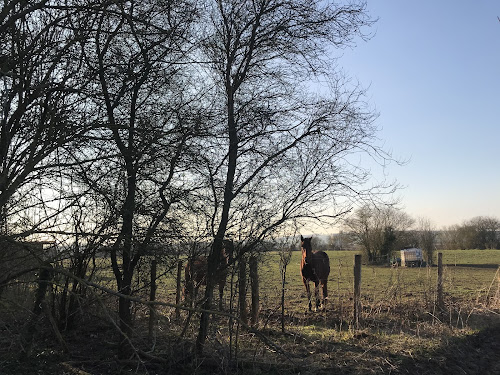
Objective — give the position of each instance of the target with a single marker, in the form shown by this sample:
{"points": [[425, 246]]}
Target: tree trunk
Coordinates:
{"points": [[214, 256], [125, 315], [213, 262], [125, 284]]}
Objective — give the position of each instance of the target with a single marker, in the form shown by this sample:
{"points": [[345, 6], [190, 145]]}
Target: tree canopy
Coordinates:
{"points": [[134, 126]]}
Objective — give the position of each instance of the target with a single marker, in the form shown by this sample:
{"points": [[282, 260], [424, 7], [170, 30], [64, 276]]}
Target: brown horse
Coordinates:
{"points": [[315, 267], [195, 272]]}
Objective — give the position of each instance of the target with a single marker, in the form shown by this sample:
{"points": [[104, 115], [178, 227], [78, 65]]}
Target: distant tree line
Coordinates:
{"points": [[378, 232], [481, 232]]}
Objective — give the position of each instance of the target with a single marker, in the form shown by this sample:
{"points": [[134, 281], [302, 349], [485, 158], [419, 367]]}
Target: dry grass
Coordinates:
{"points": [[401, 329]]}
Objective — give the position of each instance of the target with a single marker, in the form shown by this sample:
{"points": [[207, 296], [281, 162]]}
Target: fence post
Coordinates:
{"points": [[496, 300], [254, 281], [242, 288], [357, 289], [178, 290], [44, 278], [440, 301], [152, 298]]}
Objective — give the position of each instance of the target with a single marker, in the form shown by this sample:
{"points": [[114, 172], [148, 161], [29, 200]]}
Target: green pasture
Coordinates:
{"points": [[470, 278], [469, 275], [399, 312]]}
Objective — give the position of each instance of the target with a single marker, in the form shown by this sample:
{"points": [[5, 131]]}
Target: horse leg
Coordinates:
{"points": [[308, 291], [325, 293], [316, 294], [189, 292]]}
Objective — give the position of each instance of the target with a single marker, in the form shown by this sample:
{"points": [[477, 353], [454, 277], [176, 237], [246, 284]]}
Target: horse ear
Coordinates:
{"points": [[301, 238]]}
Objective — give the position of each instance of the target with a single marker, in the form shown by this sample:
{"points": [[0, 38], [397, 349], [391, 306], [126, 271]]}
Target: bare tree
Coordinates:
{"points": [[138, 147], [426, 238], [41, 97], [477, 233], [42, 111], [486, 232], [278, 152], [376, 229], [107, 96], [338, 241]]}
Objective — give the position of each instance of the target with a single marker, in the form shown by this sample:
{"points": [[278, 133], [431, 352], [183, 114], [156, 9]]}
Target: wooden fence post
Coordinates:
{"points": [[440, 300], [152, 298], [357, 289], [242, 288], [496, 300], [27, 336], [254, 281], [178, 290]]}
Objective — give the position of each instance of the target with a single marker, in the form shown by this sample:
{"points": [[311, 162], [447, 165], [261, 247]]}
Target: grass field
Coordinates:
{"points": [[467, 275], [470, 277], [401, 330]]}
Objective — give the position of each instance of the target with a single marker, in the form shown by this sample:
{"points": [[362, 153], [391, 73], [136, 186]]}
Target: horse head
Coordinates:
{"points": [[306, 247]]}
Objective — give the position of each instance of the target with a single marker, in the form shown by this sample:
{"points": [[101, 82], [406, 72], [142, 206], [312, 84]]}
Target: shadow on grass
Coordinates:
{"points": [[486, 265], [474, 354], [366, 352]]}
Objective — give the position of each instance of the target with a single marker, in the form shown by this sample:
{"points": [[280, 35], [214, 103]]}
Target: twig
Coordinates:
{"points": [[434, 316], [53, 323], [491, 285], [262, 337], [116, 325]]}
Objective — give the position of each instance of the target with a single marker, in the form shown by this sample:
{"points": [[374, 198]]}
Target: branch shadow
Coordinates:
{"points": [[474, 354]]}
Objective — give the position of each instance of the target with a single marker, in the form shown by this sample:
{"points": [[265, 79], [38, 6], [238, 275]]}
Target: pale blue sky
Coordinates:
{"points": [[433, 71]]}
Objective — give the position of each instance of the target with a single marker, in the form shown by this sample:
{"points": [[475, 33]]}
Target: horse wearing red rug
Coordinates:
{"points": [[195, 272]]}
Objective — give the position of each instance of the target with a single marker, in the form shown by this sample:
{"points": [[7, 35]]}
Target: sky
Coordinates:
{"points": [[432, 70]]}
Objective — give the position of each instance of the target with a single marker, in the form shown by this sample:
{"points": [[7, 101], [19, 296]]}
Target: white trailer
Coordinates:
{"points": [[411, 257]]}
